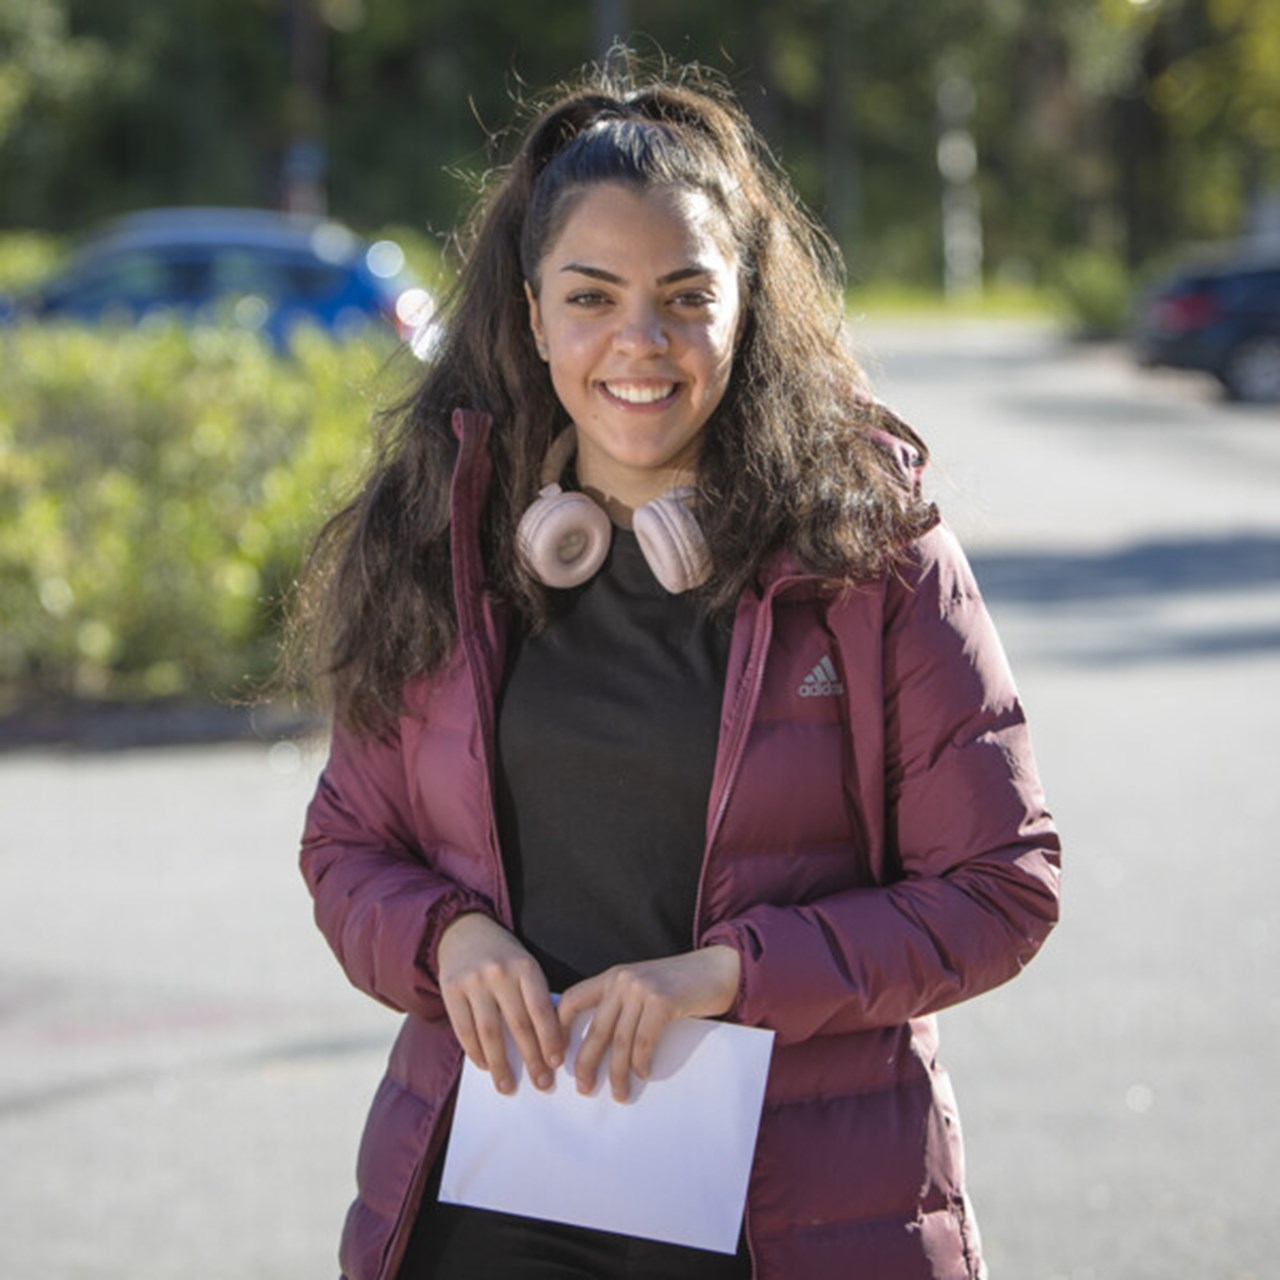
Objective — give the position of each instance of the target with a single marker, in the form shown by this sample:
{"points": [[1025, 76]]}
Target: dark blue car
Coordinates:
{"points": [[251, 268], [1222, 320]]}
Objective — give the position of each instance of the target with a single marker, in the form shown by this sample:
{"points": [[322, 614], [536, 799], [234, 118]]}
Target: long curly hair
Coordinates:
{"points": [[785, 460]]}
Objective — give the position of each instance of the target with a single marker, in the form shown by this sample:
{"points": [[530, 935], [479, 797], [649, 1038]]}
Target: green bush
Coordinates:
{"points": [[1096, 291], [158, 487], [27, 258]]}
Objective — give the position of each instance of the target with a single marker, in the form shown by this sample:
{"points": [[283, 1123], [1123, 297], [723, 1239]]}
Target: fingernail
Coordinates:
{"points": [[504, 1085], [544, 1081], [555, 1059]]}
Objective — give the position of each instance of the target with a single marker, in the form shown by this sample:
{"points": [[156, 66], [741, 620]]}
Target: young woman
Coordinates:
{"points": [[658, 684]]}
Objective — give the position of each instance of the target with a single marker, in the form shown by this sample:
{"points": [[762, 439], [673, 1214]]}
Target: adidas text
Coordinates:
{"points": [[821, 682]]}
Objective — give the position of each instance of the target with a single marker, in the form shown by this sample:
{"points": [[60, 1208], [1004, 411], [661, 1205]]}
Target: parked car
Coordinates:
{"points": [[251, 268], [1223, 320]]}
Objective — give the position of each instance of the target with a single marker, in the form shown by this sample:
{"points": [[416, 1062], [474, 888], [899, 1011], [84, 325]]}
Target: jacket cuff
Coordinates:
{"points": [[731, 935], [439, 918]]}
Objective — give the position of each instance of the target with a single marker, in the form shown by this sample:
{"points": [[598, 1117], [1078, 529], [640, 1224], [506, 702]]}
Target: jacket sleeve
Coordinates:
{"points": [[974, 858], [379, 905]]}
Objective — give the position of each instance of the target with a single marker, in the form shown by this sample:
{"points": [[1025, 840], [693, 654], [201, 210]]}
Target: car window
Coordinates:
{"points": [[1252, 290], [272, 275], [246, 271], [316, 280], [1269, 286], [135, 278]]}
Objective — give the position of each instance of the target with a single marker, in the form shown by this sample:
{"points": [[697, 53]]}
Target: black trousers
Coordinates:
{"points": [[454, 1242]]}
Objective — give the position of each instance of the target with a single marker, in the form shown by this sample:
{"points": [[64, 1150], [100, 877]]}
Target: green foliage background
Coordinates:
{"points": [[158, 488], [1125, 126]]}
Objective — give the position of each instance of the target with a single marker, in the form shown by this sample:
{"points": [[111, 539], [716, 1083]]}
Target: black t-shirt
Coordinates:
{"points": [[607, 728]]}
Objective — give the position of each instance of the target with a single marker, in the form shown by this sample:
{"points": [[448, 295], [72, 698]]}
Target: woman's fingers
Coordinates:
{"points": [[582, 995], [622, 1049], [542, 1014], [493, 1043], [595, 1043], [491, 986], [653, 1019], [634, 1003], [514, 1003], [464, 1027], [626, 1026]]}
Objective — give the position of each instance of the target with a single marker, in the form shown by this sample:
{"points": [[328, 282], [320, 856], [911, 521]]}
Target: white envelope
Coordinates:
{"points": [[670, 1164]]}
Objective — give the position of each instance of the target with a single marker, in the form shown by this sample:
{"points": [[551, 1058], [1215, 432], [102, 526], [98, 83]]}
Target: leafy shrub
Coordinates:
{"points": [[158, 488], [27, 258], [1096, 290]]}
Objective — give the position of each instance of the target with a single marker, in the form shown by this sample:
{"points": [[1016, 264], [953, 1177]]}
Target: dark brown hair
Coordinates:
{"points": [[783, 460]]}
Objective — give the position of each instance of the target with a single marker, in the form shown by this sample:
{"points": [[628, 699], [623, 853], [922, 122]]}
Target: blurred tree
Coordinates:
{"points": [[1217, 89], [1124, 126], [48, 81]]}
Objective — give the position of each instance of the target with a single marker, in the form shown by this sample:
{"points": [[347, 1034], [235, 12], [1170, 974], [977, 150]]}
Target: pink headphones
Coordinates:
{"points": [[564, 537]]}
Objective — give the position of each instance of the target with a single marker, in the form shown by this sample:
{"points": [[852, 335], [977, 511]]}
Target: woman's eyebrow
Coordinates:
{"points": [[672, 277]]}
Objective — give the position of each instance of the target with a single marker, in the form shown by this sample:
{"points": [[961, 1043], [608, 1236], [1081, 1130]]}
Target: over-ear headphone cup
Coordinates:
{"points": [[672, 542], [563, 537]]}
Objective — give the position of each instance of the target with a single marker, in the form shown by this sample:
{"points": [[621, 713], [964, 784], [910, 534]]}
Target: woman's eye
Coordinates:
{"points": [[694, 298], [587, 298]]}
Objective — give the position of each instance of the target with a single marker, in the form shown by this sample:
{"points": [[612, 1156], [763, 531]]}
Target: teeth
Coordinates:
{"points": [[634, 394]]}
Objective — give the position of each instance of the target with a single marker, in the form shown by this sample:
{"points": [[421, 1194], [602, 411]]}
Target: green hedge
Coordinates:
{"points": [[158, 487], [1095, 289], [27, 258]]}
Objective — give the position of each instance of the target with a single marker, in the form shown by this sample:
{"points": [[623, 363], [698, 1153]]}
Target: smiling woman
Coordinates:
{"points": [[635, 309], [658, 685]]}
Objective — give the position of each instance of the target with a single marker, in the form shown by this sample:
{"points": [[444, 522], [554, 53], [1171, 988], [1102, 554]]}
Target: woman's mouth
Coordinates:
{"points": [[641, 394]]}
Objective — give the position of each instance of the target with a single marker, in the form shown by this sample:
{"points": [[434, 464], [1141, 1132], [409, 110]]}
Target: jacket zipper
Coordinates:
{"points": [[747, 702], [755, 665], [483, 681], [757, 657]]}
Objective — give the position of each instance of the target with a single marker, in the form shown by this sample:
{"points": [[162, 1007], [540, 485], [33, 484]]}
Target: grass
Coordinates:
{"points": [[998, 302]]}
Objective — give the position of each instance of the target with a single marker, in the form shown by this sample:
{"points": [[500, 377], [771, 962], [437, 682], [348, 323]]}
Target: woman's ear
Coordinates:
{"points": [[535, 320]]}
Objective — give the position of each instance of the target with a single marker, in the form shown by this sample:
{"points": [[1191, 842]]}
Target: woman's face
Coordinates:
{"points": [[637, 312]]}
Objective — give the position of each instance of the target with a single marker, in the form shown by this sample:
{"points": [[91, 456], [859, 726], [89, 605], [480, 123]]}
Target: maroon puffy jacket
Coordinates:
{"points": [[877, 849]]}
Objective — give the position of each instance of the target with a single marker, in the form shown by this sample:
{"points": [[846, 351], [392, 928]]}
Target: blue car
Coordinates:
{"points": [[1222, 320], [250, 268]]}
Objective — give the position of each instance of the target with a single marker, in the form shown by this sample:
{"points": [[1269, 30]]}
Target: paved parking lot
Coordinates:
{"points": [[183, 1071]]}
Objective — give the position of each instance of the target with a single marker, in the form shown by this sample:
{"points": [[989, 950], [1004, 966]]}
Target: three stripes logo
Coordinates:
{"points": [[821, 682]]}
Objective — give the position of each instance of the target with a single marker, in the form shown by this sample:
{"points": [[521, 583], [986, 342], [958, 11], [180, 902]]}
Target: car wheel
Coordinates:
{"points": [[1252, 371]]}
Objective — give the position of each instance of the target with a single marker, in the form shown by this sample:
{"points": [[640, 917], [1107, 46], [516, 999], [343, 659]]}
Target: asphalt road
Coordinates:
{"points": [[183, 1071]]}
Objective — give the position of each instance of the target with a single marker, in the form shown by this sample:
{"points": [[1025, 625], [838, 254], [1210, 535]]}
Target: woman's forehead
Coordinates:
{"points": [[620, 222]]}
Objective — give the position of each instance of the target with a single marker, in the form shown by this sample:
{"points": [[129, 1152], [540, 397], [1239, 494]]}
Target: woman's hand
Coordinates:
{"points": [[489, 981], [634, 1002]]}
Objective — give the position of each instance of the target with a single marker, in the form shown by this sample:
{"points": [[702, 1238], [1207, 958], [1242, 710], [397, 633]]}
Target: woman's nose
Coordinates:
{"points": [[641, 331]]}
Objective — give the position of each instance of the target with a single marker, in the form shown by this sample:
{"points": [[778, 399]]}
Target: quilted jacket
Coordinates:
{"points": [[877, 849]]}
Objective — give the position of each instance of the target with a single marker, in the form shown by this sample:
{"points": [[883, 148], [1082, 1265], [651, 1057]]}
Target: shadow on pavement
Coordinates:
{"points": [[1118, 590], [1173, 567], [1194, 644], [88, 726]]}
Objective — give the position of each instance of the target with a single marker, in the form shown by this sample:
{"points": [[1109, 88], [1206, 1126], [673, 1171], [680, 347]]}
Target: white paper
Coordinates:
{"points": [[671, 1163]]}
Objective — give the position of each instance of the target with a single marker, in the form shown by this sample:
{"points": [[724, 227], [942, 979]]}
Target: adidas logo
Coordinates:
{"points": [[821, 682]]}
